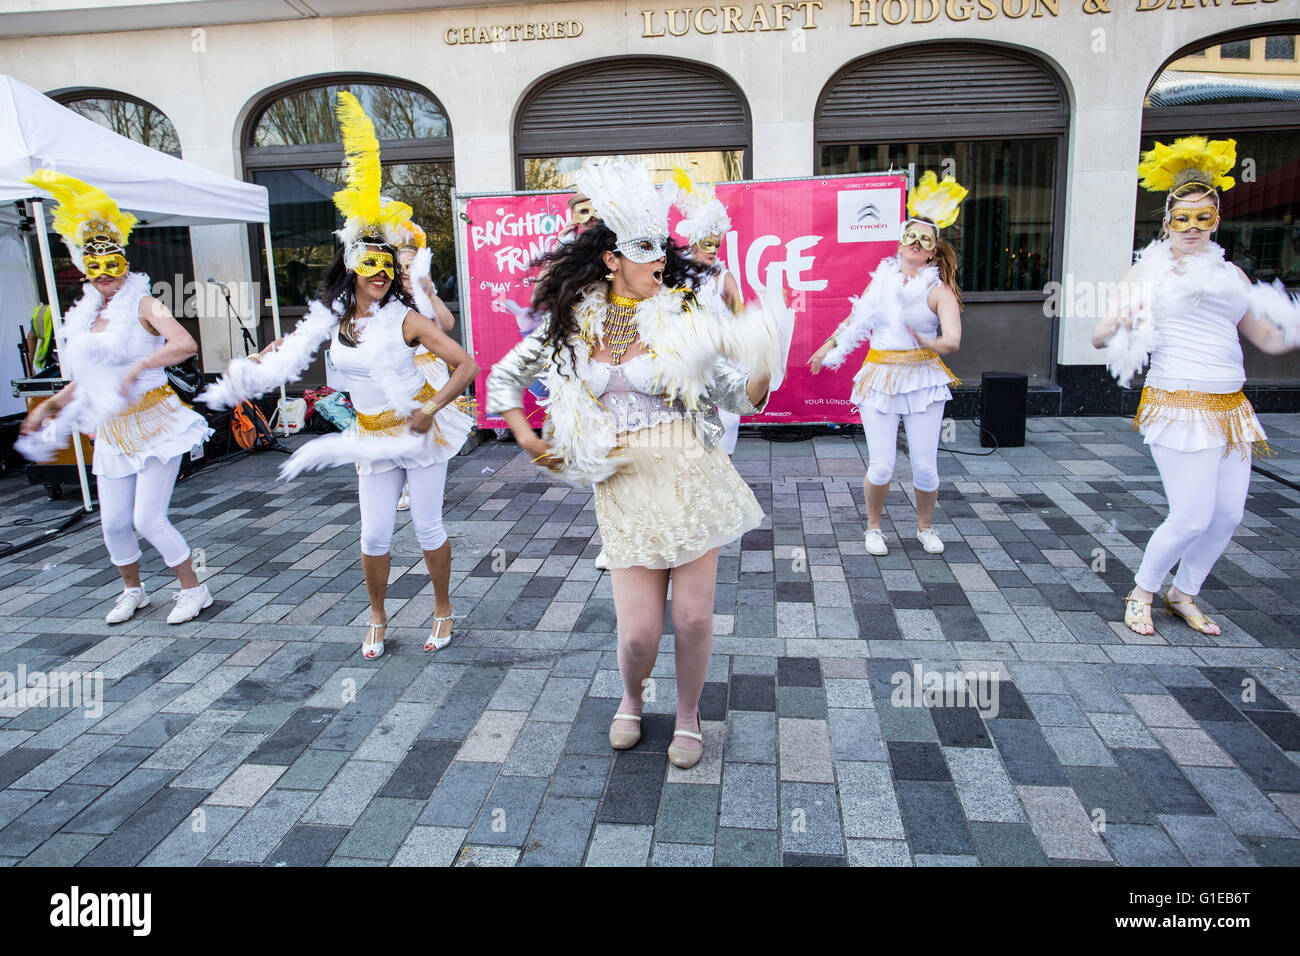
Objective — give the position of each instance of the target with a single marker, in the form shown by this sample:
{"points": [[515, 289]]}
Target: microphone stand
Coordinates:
{"points": [[250, 346]]}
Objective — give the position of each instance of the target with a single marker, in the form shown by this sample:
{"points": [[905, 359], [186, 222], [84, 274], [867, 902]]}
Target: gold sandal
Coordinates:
{"points": [[1137, 612], [1195, 619]]}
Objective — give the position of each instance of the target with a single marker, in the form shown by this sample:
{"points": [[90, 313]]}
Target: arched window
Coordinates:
{"points": [[664, 111], [293, 147], [1244, 86], [996, 119], [163, 253]]}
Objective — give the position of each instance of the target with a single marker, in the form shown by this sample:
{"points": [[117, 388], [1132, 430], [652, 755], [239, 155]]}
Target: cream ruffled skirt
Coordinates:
{"points": [[672, 501]]}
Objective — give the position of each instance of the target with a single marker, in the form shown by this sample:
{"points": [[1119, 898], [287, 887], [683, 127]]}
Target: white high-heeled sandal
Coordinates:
{"points": [[438, 643], [372, 650]]}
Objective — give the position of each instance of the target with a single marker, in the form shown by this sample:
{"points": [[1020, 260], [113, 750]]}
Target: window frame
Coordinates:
{"points": [[438, 149]]}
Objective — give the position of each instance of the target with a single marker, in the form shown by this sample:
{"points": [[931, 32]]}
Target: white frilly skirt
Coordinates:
{"points": [[900, 389], [158, 426]]}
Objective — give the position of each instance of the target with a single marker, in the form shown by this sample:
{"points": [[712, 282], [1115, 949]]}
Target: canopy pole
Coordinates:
{"points": [[47, 264], [275, 298]]}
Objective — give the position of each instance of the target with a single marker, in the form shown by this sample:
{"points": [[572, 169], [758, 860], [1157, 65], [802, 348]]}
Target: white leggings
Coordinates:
{"points": [[378, 494], [922, 444], [1207, 499], [137, 504]]}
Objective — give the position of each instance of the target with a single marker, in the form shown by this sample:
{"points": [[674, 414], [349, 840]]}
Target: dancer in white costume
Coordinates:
{"points": [[119, 341], [704, 224], [631, 364], [911, 311], [1185, 311], [410, 420]]}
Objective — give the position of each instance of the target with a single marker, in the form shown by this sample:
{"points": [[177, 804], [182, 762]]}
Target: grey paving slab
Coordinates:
{"points": [[257, 736]]}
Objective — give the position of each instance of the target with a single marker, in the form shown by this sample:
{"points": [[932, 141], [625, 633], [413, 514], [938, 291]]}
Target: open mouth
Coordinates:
{"points": [[658, 275]]}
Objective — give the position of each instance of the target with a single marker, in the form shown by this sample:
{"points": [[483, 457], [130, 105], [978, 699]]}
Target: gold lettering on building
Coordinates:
{"points": [[513, 32], [756, 18]]}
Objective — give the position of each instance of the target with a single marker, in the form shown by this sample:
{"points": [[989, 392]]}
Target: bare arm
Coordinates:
{"points": [[731, 292], [943, 302], [179, 344], [418, 328], [47, 409]]}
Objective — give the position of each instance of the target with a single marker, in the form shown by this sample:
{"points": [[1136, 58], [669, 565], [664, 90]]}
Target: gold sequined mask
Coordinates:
{"points": [[583, 211], [114, 265], [920, 235], [711, 244], [373, 263], [1206, 218]]}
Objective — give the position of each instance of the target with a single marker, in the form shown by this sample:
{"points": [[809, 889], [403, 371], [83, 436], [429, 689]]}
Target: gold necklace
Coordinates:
{"points": [[620, 325]]}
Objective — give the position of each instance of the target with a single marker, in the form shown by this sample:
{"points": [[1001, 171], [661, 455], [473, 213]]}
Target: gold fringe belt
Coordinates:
{"points": [[390, 424], [428, 358], [1228, 415], [148, 418], [892, 364]]}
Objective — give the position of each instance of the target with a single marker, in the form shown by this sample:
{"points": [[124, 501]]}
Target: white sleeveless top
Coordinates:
{"points": [[1196, 312], [359, 381], [914, 314]]}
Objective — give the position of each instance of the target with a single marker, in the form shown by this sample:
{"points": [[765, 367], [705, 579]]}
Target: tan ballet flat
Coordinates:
{"points": [[681, 757], [624, 739]]}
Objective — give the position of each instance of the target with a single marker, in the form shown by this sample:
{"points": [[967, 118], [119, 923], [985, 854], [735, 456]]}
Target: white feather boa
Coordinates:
{"points": [[383, 350], [349, 448], [1271, 302], [1161, 289], [96, 362], [245, 379], [421, 269], [686, 344], [880, 305]]}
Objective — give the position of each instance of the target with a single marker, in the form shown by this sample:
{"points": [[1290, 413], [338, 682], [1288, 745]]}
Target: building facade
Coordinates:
{"points": [[1041, 107]]}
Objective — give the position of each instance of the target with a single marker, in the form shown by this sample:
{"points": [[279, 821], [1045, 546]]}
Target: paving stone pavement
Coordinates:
{"points": [[257, 735]]}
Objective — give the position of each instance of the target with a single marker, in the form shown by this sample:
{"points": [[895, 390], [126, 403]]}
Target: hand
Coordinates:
{"points": [[420, 422], [132, 373], [815, 361], [35, 419], [540, 451]]}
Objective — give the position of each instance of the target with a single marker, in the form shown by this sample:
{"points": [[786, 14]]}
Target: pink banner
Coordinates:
{"points": [[821, 238]]}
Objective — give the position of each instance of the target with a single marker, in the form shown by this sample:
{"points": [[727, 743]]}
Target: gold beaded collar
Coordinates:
{"points": [[620, 328]]}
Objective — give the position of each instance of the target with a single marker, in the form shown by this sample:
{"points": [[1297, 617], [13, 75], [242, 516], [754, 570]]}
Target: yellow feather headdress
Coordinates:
{"points": [[366, 214], [934, 201], [703, 214], [86, 217], [1191, 159]]}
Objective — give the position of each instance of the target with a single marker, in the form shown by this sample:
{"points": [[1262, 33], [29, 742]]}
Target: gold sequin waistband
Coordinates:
{"points": [[901, 356], [388, 419], [1228, 415], [143, 421]]}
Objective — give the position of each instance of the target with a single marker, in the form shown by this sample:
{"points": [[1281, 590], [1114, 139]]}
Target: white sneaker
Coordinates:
{"points": [[128, 602], [930, 540], [189, 602], [404, 502], [874, 539], [602, 561]]}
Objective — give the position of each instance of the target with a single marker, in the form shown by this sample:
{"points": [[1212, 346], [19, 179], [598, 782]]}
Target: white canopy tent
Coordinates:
{"points": [[161, 190]]}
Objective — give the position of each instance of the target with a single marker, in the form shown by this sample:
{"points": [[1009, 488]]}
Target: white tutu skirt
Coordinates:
{"points": [[1190, 421], [159, 426], [901, 389]]}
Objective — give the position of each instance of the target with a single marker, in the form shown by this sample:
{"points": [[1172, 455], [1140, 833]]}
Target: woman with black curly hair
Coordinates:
{"points": [[633, 365], [407, 427]]}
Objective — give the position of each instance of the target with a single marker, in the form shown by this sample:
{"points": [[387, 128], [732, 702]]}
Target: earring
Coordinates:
{"points": [[609, 277]]}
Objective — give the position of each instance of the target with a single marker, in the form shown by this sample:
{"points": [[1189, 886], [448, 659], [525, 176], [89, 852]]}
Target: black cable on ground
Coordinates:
{"points": [[976, 454], [65, 524]]}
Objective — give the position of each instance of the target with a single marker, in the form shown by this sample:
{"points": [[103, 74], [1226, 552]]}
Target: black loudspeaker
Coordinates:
{"points": [[1004, 396]]}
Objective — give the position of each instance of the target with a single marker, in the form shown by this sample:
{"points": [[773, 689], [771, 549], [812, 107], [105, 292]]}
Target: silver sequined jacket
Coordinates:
{"points": [[531, 360]]}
